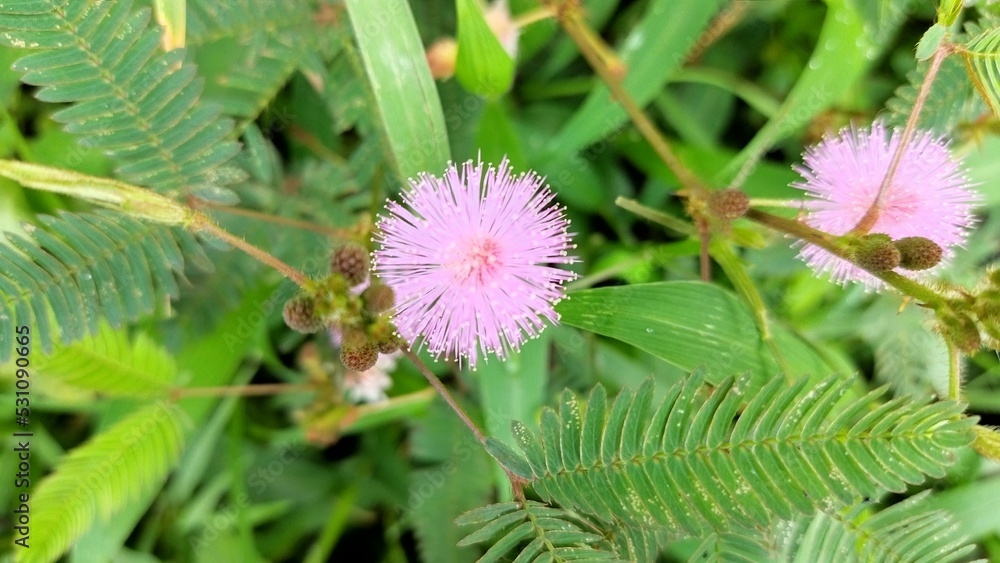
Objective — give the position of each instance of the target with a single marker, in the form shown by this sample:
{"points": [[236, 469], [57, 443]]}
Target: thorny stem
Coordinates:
{"points": [[515, 482], [871, 216], [240, 390], [203, 224]]}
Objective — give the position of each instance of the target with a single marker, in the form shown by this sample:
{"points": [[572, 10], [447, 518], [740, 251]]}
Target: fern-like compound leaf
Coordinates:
{"points": [[262, 43], [686, 467], [535, 532], [98, 478], [132, 101], [111, 363], [85, 267], [982, 58]]}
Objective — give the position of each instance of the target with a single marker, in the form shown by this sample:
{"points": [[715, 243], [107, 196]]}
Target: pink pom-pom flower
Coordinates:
{"points": [[930, 195], [470, 258]]}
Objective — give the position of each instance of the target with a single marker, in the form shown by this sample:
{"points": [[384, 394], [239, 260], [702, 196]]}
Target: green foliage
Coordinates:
{"points": [[101, 477], [85, 267], [138, 105], [482, 65], [688, 324], [550, 534], [248, 50], [687, 468], [950, 100], [458, 481], [982, 58], [906, 531], [410, 109], [111, 363]]}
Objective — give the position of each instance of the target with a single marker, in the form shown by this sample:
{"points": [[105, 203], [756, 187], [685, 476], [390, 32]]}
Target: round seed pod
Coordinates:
{"points": [[300, 314], [351, 261], [359, 358], [877, 253], [918, 253], [379, 298]]}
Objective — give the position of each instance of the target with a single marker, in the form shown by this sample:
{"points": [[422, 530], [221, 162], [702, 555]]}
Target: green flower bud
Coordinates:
{"points": [[877, 253]]}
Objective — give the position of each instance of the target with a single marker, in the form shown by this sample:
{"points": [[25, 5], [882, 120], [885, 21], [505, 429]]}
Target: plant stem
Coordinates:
{"points": [[534, 16], [443, 391], [954, 372], [516, 482], [203, 224], [830, 243], [240, 390], [304, 225], [597, 53], [871, 216]]}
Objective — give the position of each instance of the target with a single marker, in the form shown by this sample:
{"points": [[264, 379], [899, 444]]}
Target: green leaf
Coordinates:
{"points": [[482, 65], [248, 49], [689, 324], [85, 267], [543, 534], [982, 60], [137, 104], [930, 41], [843, 52], [950, 100], [110, 362], [686, 468], [459, 482], [407, 99], [101, 477], [653, 50]]}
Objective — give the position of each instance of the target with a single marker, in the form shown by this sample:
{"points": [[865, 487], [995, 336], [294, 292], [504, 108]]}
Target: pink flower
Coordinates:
{"points": [[930, 196], [469, 256]]}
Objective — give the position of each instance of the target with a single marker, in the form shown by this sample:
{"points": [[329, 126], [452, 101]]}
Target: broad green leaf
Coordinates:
{"points": [[407, 99], [482, 66], [497, 136], [110, 362], [689, 324], [653, 50]]}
